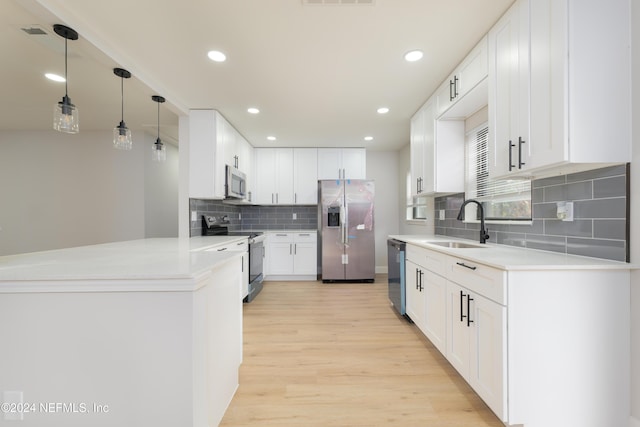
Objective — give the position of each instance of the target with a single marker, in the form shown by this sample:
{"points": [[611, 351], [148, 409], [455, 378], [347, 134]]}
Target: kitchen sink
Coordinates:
{"points": [[456, 245]]}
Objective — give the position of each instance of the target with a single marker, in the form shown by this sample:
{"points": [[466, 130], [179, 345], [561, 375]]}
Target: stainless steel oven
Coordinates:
{"points": [[211, 227]]}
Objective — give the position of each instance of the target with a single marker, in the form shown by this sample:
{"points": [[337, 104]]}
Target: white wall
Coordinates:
{"points": [[382, 167], [635, 224], [160, 192], [59, 190]]}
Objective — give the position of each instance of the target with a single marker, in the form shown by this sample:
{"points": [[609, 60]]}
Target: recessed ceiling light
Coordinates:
{"points": [[368, 138], [253, 110], [413, 55], [383, 110], [217, 56], [271, 138], [54, 77]]}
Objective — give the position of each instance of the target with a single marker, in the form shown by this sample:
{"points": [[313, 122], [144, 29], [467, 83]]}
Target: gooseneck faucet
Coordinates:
{"points": [[484, 236]]}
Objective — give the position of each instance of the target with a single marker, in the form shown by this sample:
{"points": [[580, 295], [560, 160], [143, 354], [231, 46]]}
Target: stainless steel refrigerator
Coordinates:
{"points": [[347, 230]]}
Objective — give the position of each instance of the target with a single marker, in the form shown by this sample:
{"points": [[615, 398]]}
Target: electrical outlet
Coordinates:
{"points": [[564, 211], [194, 215], [239, 215], [442, 216], [12, 398], [295, 215]]}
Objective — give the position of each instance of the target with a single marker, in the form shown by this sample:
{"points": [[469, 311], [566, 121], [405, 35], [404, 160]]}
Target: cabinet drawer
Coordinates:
{"points": [[486, 281], [431, 260], [280, 237], [305, 236]]}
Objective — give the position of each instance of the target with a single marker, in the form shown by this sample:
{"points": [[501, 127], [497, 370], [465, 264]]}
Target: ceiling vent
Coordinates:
{"points": [[337, 2], [35, 30]]}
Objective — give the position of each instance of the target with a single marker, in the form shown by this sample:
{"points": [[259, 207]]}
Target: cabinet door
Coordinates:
{"points": [[473, 69], [280, 258], [445, 95], [435, 294], [329, 163], [284, 176], [305, 176], [415, 296], [265, 176], [354, 163], [428, 183], [487, 373], [305, 258], [509, 91], [417, 151], [458, 331]]}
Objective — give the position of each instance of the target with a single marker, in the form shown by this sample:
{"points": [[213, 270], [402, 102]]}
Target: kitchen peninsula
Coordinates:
{"points": [[143, 332]]}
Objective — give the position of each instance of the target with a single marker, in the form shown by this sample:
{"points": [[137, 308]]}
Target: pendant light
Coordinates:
{"points": [[159, 153], [121, 133], [65, 114]]}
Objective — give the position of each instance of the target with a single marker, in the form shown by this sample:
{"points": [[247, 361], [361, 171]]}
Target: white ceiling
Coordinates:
{"points": [[316, 72]]}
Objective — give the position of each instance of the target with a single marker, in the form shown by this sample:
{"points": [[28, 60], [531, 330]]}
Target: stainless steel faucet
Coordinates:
{"points": [[484, 235]]}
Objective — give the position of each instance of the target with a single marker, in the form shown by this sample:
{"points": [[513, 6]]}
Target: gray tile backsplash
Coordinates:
{"points": [[599, 229], [254, 217]]}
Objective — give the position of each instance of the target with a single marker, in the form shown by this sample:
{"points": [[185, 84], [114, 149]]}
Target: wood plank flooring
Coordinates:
{"points": [[338, 355]]}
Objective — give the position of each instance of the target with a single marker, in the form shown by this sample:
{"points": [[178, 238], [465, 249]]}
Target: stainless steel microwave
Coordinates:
{"points": [[235, 183]]}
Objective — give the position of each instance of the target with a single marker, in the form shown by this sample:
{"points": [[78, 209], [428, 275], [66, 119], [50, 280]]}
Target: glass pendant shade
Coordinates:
{"points": [[65, 116], [159, 153], [122, 137]]}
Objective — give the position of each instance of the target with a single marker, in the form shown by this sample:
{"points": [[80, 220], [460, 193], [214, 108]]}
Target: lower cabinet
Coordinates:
{"points": [[291, 256], [415, 295], [476, 344], [526, 338]]}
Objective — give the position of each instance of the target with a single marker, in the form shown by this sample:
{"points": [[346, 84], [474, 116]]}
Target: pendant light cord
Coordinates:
{"points": [[158, 120], [122, 96], [66, 88]]}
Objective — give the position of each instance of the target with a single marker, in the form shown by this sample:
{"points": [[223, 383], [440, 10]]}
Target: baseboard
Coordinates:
{"points": [[382, 269], [634, 422]]}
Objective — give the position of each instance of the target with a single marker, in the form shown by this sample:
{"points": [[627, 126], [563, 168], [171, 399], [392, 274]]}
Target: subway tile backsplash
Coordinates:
{"points": [[254, 217], [599, 229]]}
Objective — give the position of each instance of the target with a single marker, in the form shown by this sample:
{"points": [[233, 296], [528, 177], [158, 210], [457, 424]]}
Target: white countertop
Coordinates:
{"points": [[507, 257], [168, 264]]}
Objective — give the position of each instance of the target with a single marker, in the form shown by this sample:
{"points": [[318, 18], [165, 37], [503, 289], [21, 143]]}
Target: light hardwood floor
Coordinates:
{"points": [[338, 355]]}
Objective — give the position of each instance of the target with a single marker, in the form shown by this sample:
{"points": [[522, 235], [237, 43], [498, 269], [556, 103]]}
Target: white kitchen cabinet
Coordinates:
{"points": [[509, 91], [285, 176], [415, 306], [476, 344], [437, 153], [579, 55], [426, 294], [273, 176], [418, 134], [291, 255], [471, 71], [305, 176], [342, 163], [507, 329], [213, 144], [435, 305]]}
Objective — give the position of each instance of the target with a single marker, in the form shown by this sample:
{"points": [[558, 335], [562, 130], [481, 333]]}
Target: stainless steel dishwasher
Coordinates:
{"points": [[397, 279]]}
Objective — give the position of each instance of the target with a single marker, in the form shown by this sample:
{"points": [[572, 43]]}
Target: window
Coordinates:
{"points": [[416, 205], [502, 200]]}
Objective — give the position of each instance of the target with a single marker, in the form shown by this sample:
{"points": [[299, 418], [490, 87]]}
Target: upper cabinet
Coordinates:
{"points": [[305, 176], [286, 176], [437, 153], [469, 74], [552, 64], [214, 143], [509, 90], [342, 163]]}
